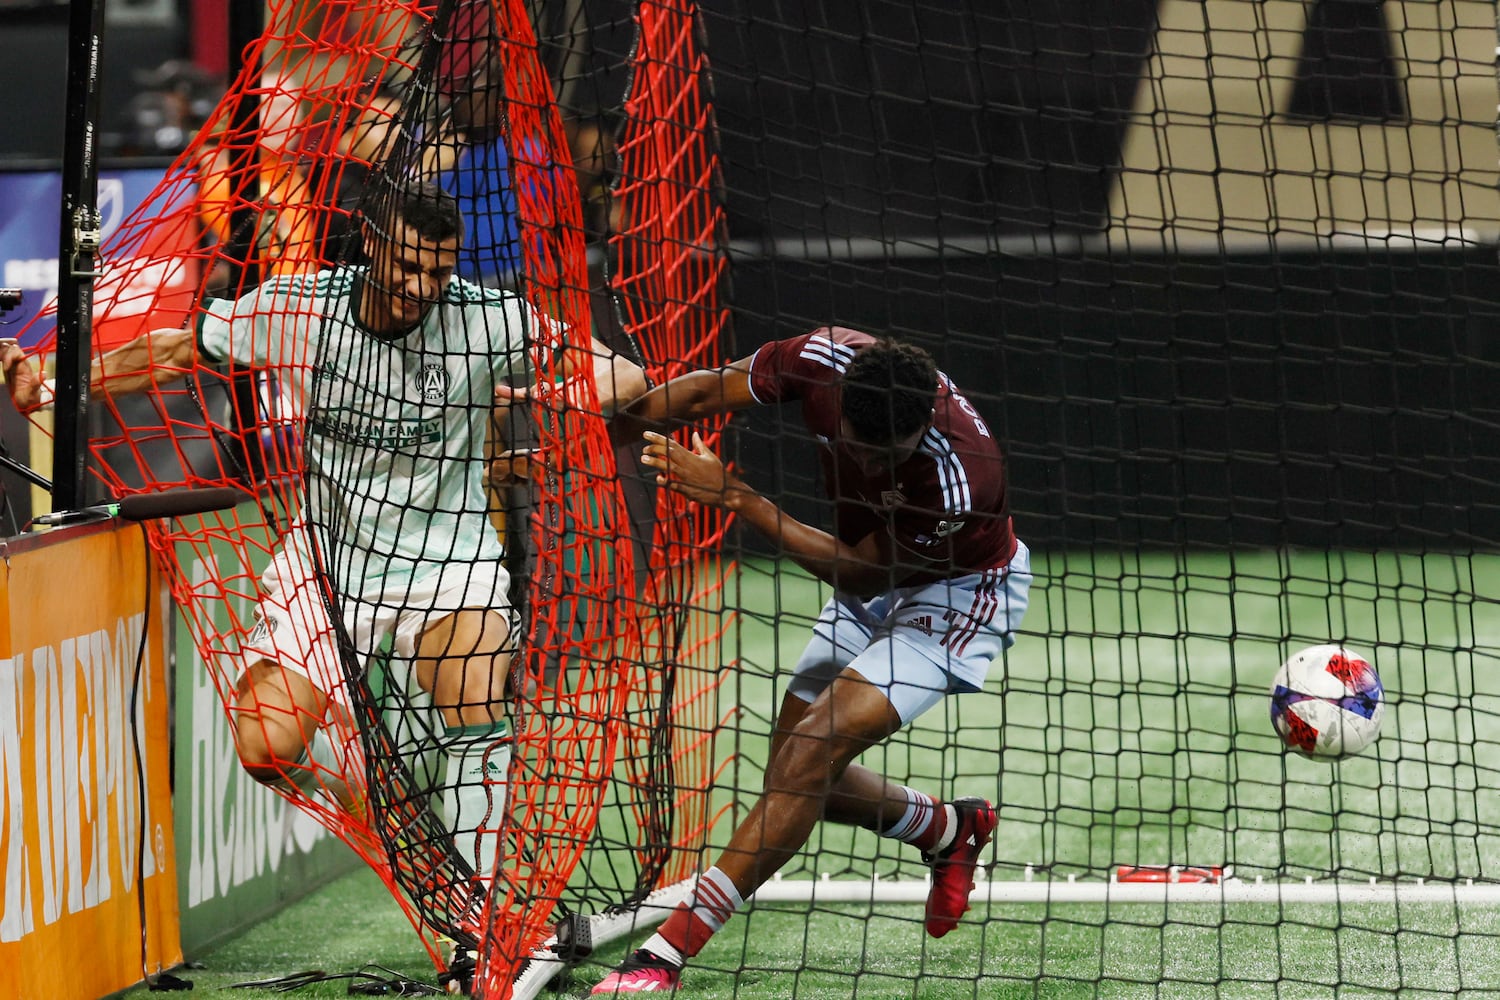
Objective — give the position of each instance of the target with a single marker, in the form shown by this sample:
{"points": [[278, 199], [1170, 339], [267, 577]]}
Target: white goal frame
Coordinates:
{"points": [[1030, 889]]}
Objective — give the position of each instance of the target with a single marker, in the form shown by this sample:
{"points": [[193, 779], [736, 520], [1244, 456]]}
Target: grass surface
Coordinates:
{"points": [[1023, 951], [1128, 725]]}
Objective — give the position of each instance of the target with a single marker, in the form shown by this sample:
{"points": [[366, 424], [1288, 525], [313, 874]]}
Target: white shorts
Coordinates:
{"points": [[919, 643], [293, 629]]}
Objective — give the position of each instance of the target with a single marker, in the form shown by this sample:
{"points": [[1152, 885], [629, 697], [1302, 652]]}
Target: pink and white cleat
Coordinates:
{"points": [[642, 972]]}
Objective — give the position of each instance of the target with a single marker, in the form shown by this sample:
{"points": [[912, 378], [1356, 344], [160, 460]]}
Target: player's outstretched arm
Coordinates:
{"points": [[864, 569], [689, 398], [617, 379], [150, 359]]}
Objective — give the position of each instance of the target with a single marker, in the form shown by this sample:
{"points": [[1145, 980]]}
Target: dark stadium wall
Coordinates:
{"points": [[33, 61], [831, 113], [1255, 400], [138, 36], [1079, 208]]}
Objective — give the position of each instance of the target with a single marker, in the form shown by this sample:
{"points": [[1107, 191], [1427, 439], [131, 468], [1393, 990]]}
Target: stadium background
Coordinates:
{"points": [[1142, 347], [1160, 282]]}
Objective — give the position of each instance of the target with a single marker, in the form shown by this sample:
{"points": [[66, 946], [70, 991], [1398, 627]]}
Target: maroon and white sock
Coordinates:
{"points": [[927, 824], [690, 926]]}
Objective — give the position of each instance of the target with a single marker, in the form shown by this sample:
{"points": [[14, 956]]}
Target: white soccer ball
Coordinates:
{"points": [[1327, 702]]}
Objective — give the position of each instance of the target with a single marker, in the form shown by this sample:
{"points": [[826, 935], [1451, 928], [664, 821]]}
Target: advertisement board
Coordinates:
{"points": [[87, 835], [151, 282]]}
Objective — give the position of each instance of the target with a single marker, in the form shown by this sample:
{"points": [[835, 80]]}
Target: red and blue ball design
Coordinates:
{"points": [[1327, 702]]}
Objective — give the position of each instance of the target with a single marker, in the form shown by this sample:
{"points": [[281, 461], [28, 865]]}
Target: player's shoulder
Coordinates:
{"points": [[461, 291], [953, 411], [830, 348], [803, 366], [330, 282], [485, 319]]}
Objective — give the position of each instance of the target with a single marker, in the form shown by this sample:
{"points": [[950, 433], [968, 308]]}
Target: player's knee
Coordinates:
{"points": [[270, 775], [266, 752], [811, 757], [264, 765], [481, 706], [478, 691], [465, 664]]}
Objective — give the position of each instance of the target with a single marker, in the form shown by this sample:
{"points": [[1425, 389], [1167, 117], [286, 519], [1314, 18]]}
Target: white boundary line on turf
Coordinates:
{"points": [[1231, 890]]}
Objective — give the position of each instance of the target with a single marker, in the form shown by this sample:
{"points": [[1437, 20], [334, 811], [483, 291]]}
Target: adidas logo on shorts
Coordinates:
{"points": [[923, 622]]}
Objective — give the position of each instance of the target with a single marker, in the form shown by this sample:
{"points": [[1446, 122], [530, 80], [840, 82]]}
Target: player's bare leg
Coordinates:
{"points": [[463, 659], [282, 733], [812, 752], [809, 761], [859, 797], [951, 835]]}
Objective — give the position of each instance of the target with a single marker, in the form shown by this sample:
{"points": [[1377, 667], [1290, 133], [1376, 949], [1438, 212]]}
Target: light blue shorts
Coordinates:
{"points": [[919, 643]]}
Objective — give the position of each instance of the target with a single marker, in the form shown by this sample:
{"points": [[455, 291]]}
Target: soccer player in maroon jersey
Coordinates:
{"points": [[930, 584]]}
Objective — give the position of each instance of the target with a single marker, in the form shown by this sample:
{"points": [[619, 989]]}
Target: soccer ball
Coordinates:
{"points": [[1326, 702]]}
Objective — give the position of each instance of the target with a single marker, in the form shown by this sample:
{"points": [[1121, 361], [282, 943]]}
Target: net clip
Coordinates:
{"points": [[88, 234], [575, 938]]}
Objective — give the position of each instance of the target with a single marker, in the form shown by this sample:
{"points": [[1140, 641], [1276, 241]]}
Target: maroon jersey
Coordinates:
{"points": [[946, 504]]}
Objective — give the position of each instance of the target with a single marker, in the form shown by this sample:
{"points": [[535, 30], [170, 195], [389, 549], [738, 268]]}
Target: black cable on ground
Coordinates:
{"points": [[161, 981]]}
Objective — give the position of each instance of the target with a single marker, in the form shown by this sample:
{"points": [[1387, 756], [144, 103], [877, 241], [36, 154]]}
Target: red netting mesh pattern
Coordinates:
{"points": [[672, 264], [261, 194]]}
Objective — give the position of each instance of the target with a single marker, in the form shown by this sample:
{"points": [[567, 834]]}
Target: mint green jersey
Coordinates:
{"points": [[393, 429]]}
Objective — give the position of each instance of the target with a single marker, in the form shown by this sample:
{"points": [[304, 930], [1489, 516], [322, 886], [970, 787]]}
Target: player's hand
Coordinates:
{"points": [[697, 474], [562, 395], [511, 467], [23, 381], [567, 394], [510, 395]]}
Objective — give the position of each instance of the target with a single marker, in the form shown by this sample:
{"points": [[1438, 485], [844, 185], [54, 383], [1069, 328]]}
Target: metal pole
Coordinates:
{"points": [[78, 242], [246, 24]]}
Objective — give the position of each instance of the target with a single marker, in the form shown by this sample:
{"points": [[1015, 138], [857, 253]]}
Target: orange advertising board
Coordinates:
{"points": [[83, 719]]}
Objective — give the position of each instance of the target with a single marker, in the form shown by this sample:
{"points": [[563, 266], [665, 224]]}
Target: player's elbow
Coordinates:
{"points": [[628, 383], [861, 579]]}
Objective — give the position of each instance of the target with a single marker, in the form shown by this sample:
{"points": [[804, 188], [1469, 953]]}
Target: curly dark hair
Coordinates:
{"points": [[888, 391]]}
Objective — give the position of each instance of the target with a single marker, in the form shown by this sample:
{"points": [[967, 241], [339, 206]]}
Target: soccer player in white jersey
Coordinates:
{"points": [[930, 583], [395, 367]]}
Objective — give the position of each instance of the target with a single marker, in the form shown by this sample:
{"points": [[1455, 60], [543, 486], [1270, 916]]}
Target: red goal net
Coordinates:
{"points": [[370, 453]]}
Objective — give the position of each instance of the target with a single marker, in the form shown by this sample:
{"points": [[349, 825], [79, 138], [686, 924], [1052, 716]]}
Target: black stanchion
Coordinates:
{"points": [[78, 242]]}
